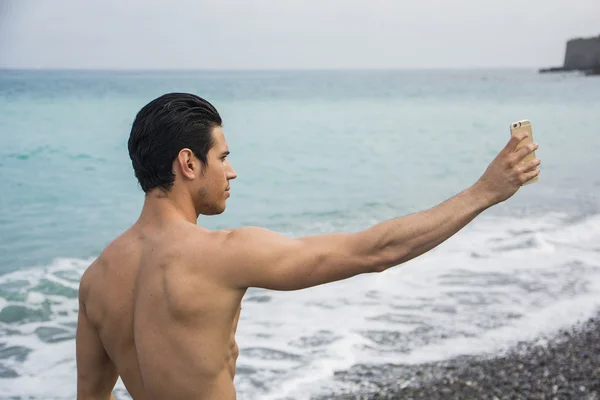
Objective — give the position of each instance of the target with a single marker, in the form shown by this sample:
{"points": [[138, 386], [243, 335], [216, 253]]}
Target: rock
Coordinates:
{"points": [[582, 54]]}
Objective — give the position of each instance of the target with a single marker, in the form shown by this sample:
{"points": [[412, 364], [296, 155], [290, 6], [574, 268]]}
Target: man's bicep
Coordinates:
{"points": [[96, 373], [266, 259]]}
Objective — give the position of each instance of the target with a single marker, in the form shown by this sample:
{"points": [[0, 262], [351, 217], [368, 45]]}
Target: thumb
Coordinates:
{"points": [[514, 141]]}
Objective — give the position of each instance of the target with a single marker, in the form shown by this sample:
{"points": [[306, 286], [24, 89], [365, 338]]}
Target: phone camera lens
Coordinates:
{"points": [[515, 125]]}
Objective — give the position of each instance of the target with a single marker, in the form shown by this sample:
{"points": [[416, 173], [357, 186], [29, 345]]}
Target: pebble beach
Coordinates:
{"points": [[565, 366]]}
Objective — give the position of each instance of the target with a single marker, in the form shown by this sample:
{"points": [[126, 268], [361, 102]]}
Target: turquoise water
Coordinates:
{"points": [[306, 145], [317, 151]]}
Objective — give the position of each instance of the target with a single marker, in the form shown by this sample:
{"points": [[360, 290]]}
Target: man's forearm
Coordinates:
{"points": [[401, 239]]}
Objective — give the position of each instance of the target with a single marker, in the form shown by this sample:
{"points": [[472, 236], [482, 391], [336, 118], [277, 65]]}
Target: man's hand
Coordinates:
{"points": [[507, 173]]}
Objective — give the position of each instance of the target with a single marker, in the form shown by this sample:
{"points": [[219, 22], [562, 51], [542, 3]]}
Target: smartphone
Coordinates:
{"points": [[524, 126]]}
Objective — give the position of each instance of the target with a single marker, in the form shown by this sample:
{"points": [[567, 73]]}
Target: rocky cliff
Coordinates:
{"points": [[583, 54]]}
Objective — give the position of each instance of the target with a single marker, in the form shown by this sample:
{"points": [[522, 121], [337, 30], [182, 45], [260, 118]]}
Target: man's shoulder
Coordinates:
{"points": [[112, 251], [88, 278], [225, 249], [224, 238], [242, 235]]}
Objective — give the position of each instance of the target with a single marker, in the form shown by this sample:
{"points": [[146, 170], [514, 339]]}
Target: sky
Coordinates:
{"points": [[291, 34]]}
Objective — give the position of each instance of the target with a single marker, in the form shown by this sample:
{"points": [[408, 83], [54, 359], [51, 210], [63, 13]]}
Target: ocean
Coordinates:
{"points": [[316, 152]]}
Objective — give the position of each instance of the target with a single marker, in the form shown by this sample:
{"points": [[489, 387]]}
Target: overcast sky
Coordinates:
{"points": [[258, 34]]}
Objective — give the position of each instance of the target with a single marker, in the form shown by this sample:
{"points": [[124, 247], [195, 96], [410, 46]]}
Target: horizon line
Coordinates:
{"points": [[277, 69]]}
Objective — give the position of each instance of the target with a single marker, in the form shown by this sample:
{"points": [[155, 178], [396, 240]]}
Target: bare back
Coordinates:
{"points": [[163, 314]]}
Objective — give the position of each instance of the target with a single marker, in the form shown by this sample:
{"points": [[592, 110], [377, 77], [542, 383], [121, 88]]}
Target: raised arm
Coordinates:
{"points": [[261, 258]]}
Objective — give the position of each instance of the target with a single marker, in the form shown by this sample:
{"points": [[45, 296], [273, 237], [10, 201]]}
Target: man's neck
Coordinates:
{"points": [[162, 207]]}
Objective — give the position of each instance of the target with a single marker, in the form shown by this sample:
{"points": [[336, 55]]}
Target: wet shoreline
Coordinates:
{"points": [[565, 366]]}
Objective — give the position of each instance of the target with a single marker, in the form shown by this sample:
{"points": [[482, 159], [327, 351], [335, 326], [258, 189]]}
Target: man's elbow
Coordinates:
{"points": [[379, 267], [387, 258], [89, 388], [96, 396]]}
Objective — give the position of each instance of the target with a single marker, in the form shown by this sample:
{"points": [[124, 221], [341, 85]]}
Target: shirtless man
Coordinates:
{"points": [[160, 306]]}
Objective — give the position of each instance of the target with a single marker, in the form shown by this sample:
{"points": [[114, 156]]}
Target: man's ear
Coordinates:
{"points": [[186, 161]]}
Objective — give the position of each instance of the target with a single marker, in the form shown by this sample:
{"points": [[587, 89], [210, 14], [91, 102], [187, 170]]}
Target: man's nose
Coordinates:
{"points": [[231, 174]]}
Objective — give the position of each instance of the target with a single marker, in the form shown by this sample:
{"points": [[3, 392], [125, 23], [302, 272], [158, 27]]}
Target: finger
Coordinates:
{"points": [[515, 140], [530, 165], [525, 151], [528, 175]]}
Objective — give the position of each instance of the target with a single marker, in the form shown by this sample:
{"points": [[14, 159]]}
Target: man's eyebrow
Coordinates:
{"points": [[225, 153]]}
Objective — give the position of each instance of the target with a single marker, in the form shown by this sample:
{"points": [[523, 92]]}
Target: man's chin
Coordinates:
{"points": [[213, 210], [221, 211]]}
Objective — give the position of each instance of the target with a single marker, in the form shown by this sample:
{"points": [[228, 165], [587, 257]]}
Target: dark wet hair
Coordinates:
{"points": [[162, 128]]}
